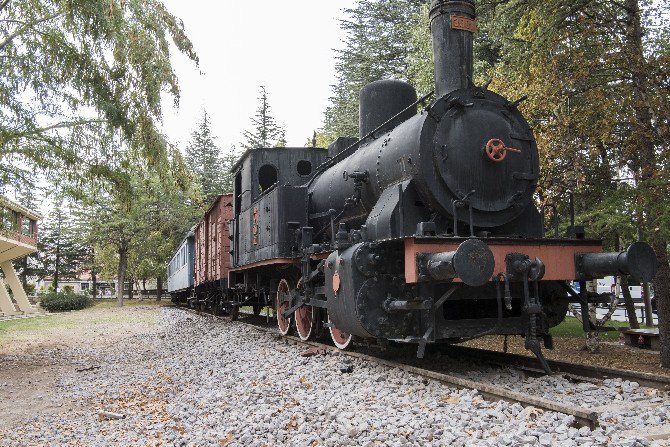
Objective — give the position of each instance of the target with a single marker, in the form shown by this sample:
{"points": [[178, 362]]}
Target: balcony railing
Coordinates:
{"points": [[18, 236]]}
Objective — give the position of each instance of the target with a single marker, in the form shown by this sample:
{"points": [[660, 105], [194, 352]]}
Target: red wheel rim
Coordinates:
{"points": [[341, 339], [283, 323], [304, 322]]}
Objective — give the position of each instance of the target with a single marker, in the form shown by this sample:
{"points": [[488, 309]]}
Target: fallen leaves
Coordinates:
{"points": [[314, 351], [305, 383], [227, 440], [452, 400], [532, 413], [292, 423], [286, 406]]}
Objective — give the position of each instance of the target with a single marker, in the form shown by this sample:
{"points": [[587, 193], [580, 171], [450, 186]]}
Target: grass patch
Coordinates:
{"points": [[37, 327], [572, 328], [64, 321]]}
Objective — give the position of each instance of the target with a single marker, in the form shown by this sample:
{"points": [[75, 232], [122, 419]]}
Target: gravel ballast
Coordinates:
{"points": [[192, 380]]}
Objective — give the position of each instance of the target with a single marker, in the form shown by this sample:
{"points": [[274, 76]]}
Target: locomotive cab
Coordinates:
{"points": [[269, 193]]}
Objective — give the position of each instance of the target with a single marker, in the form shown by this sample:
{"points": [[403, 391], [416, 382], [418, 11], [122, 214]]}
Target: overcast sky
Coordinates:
{"points": [[285, 45]]}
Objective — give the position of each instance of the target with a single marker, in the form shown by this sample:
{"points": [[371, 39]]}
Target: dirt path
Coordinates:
{"points": [[37, 354]]}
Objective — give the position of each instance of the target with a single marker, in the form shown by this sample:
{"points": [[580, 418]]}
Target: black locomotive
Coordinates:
{"points": [[423, 229]]}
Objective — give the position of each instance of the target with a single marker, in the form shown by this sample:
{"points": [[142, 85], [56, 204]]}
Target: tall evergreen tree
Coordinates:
{"points": [[59, 244], [377, 46], [229, 160], [266, 132], [204, 158]]}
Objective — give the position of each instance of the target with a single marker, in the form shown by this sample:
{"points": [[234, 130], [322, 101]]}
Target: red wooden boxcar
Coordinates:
{"points": [[212, 246]]}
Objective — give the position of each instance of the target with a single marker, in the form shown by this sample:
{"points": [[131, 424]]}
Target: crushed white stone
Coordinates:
{"points": [[194, 381]]}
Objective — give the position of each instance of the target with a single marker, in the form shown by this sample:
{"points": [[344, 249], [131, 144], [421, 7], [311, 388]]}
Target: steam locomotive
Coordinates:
{"points": [[421, 230]]}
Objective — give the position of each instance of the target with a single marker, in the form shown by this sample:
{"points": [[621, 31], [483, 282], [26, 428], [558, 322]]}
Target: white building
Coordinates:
{"points": [[18, 238]]}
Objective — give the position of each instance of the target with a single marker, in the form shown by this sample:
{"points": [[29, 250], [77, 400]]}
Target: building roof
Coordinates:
{"points": [[4, 201], [237, 165]]}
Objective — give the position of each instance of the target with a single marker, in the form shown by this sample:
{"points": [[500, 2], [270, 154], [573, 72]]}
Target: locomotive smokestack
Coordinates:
{"points": [[453, 25]]}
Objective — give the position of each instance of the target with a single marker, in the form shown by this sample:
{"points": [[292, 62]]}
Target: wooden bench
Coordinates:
{"points": [[646, 338]]}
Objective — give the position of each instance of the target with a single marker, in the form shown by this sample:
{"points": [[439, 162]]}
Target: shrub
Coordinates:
{"points": [[63, 302], [30, 289]]}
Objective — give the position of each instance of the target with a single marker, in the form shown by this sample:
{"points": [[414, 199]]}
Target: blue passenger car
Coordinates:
{"points": [[181, 269]]}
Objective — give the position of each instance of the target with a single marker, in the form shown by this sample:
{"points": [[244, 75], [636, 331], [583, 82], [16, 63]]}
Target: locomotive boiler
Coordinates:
{"points": [[421, 230]]}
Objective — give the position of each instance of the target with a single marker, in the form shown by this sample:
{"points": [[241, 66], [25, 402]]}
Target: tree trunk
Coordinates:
{"points": [[24, 272], [94, 287], [646, 299], [131, 282], [144, 288], [662, 293], [57, 260], [159, 288], [56, 268], [630, 306], [121, 276], [644, 138]]}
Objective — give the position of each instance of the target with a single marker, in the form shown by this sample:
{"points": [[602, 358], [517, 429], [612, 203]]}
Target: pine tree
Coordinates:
{"points": [[60, 248], [266, 131], [204, 158], [377, 46], [229, 160]]}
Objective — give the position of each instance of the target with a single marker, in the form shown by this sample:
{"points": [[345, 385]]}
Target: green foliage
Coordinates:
{"points": [[377, 46], [265, 132], [74, 71], [229, 159], [60, 246], [65, 301], [204, 159], [596, 101], [582, 64], [134, 230], [29, 288]]}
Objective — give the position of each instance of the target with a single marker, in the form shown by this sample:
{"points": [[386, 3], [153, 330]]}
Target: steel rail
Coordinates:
{"points": [[575, 369]]}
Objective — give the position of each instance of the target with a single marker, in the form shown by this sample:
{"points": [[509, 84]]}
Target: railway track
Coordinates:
{"points": [[573, 370], [400, 358]]}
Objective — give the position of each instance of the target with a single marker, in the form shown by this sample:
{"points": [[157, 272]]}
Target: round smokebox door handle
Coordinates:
{"points": [[497, 150]]}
